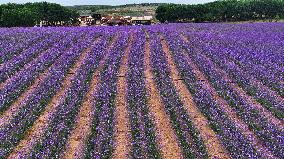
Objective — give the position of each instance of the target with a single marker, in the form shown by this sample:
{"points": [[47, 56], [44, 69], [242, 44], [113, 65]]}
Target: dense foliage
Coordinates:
{"points": [[222, 10], [29, 14]]}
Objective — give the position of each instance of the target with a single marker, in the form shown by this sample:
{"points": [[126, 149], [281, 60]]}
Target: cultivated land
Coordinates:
{"points": [[163, 91]]}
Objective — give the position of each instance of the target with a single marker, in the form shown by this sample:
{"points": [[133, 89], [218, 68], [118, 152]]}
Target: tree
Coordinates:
{"points": [[161, 13], [222, 10], [31, 13]]}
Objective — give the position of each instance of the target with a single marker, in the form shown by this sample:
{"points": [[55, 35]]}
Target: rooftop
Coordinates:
{"points": [[142, 18]]}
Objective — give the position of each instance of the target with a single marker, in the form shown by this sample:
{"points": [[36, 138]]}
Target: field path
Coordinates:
{"points": [[122, 124], [213, 145], [41, 124], [166, 137], [231, 113], [75, 145]]}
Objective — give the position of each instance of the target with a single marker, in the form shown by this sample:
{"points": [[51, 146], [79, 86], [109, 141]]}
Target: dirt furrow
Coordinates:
{"points": [[270, 117], [24, 97], [23, 69], [271, 92], [231, 113], [252, 102], [122, 124], [168, 142], [255, 82], [20, 101], [41, 124], [213, 145], [75, 145]]}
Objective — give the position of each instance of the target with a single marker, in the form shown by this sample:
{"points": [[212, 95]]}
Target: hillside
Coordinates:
{"points": [[143, 9]]}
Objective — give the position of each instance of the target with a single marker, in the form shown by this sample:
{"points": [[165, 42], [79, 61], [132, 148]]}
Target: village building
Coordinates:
{"points": [[86, 19], [145, 20], [98, 19], [115, 20]]}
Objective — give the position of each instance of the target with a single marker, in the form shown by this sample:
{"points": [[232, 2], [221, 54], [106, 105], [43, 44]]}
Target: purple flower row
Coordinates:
{"points": [[10, 67], [189, 138], [267, 132], [263, 95], [63, 119], [19, 82], [237, 145], [12, 133], [261, 57], [143, 137], [13, 48], [100, 142]]}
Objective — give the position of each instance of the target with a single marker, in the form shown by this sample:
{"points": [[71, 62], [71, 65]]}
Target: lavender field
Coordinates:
{"points": [[162, 91]]}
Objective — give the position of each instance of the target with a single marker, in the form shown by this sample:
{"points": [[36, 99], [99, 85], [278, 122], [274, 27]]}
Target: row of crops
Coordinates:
{"points": [[164, 91]]}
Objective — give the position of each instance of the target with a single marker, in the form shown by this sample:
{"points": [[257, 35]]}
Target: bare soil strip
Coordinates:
{"points": [[256, 82], [272, 92], [270, 117], [213, 145], [76, 143], [23, 69], [232, 114], [122, 124], [26, 65], [10, 113], [252, 102], [168, 142], [41, 124], [23, 98]]}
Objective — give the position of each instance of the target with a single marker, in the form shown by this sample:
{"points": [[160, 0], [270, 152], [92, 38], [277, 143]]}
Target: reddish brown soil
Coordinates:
{"points": [[76, 143], [256, 82], [166, 137], [35, 133], [266, 113], [231, 113], [23, 98], [23, 69], [213, 145], [122, 127], [8, 115]]}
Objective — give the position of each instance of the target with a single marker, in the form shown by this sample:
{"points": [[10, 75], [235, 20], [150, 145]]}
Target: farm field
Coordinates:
{"points": [[162, 91]]}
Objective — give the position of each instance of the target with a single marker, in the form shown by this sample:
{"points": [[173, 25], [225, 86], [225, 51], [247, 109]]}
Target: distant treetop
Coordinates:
{"points": [[222, 11], [30, 14]]}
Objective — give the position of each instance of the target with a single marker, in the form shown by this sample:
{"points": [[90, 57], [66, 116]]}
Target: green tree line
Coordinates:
{"points": [[30, 14], [222, 11]]}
